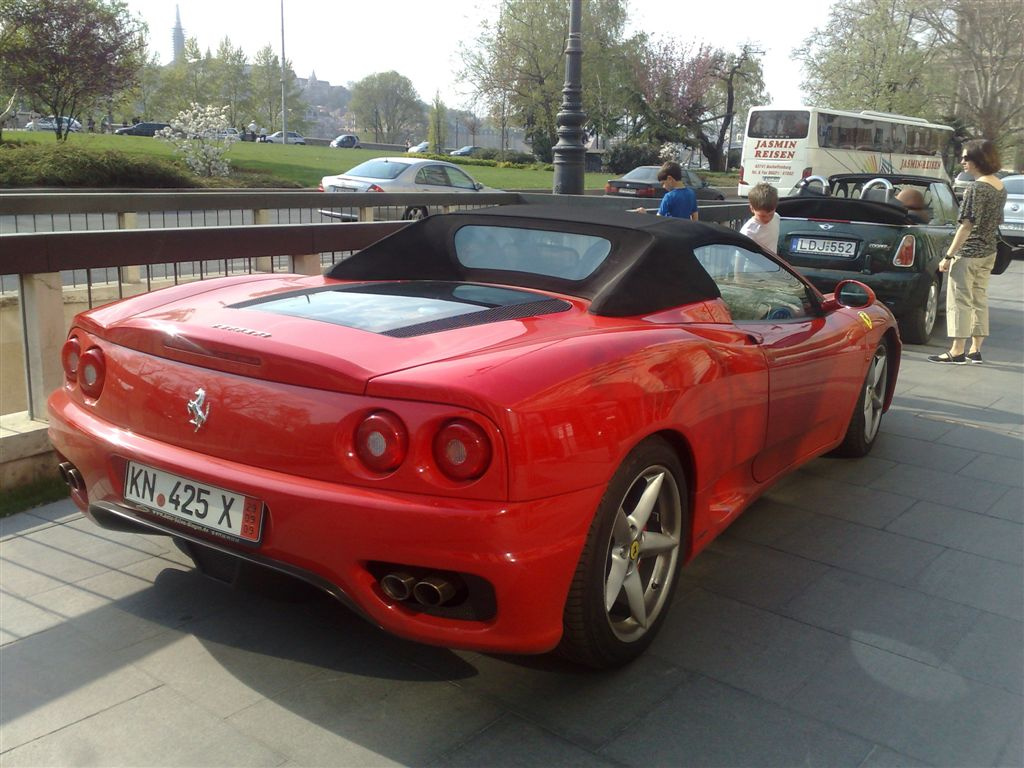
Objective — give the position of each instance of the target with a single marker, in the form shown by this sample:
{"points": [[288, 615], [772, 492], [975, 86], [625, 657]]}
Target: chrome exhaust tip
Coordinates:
{"points": [[398, 585], [70, 475], [433, 591]]}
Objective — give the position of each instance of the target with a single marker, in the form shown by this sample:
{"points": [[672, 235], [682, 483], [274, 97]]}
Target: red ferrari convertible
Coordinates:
{"points": [[502, 430]]}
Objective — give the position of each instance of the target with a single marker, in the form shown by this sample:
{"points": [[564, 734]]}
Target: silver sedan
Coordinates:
{"points": [[403, 174]]}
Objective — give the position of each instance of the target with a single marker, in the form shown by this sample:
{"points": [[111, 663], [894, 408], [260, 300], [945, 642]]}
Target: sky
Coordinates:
{"points": [[343, 42]]}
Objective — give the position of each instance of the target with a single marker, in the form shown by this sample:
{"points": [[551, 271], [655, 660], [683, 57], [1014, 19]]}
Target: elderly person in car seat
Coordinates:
{"points": [[912, 199]]}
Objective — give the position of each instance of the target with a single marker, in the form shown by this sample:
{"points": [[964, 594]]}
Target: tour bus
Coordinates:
{"points": [[783, 146]]}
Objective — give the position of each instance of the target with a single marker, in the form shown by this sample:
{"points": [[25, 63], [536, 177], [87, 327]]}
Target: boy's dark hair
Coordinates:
{"points": [[763, 197], [670, 169], [983, 153]]}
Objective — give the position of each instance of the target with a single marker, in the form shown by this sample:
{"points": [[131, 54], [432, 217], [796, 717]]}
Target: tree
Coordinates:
{"points": [[517, 66], [66, 54], [873, 54], [437, 134], [983, 46], [265, 82], [387, 103], [230, 85]]}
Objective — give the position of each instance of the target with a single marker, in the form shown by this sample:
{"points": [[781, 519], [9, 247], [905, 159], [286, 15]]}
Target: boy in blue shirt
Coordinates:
{"points": [[679, 202]]}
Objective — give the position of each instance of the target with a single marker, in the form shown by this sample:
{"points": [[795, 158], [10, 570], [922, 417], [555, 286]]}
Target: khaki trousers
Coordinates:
{"points": [[967, 297]]}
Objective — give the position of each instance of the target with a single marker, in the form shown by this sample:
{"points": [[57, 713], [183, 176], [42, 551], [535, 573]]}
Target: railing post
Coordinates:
{"points": [[42, 318], [260, 217], [129, 220], [307, 264]]}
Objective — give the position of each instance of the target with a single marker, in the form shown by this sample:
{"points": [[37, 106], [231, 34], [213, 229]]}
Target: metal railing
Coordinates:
{"points": [[64, 252]]}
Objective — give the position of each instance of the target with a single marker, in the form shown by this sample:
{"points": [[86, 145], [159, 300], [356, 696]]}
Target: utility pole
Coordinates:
{"points": [[284, 108], [569, 152]]}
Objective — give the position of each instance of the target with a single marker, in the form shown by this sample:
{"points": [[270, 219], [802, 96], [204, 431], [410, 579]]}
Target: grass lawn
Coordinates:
{"points": [[305, 165]]}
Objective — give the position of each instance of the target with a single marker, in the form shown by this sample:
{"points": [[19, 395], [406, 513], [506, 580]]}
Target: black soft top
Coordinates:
{"points": [[651, 265]]}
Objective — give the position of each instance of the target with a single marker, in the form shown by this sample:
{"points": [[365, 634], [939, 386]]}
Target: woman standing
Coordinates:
{"points": [[972, 254]]}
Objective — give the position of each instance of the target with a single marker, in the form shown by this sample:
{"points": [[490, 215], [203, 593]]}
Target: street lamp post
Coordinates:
{"points": [[569, 152]]}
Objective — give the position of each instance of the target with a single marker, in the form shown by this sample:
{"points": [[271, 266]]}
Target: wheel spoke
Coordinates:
{"points": [[621, 534], [616, 576], [634, 587], [648, 501], [657, 543]]}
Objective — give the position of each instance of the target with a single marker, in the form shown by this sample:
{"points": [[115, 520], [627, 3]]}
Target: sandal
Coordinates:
{"points": [[945, 357]]}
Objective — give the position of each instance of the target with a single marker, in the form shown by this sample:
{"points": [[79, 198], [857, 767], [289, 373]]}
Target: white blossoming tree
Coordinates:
{"points": [[202, 135]]}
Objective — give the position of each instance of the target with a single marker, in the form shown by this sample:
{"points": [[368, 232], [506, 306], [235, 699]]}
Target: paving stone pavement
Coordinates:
{"points": [[862, 613]]}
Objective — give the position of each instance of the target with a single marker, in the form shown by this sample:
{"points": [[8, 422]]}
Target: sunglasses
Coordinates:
{"points": [[965, 159]]}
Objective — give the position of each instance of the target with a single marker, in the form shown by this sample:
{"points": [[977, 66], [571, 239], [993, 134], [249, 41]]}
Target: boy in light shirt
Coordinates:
{"points": [[763, 226]]}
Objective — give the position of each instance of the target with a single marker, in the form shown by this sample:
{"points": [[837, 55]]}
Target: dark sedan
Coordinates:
{"points": [[141, 129], [642, 182], [858, 229]]}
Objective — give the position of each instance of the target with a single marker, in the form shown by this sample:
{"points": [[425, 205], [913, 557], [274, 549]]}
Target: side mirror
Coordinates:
{"points": [[849, 293], [478, 186]]}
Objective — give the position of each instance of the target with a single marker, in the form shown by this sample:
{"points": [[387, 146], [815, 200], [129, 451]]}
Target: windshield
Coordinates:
{"points": [[378, 169]]}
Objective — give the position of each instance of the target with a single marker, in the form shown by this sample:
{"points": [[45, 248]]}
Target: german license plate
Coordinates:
{"points": [[823, 246], [198, 504], [627, 191]]}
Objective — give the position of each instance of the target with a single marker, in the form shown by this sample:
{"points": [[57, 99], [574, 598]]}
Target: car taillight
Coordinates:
{"points": [[320, 187], [905, 254], [382, 441], [609, 189], [645, 192], [91, 371], [70, 354], [806, 172], [374, 188], [462, 450], [741, 176]]}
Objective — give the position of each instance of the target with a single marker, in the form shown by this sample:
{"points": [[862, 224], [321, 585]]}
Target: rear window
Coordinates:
{"points": [[377, 169], [565, 255], [779, 124]]}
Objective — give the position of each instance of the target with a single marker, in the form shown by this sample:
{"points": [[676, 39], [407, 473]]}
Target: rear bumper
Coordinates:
{"points": [[332, 535]]}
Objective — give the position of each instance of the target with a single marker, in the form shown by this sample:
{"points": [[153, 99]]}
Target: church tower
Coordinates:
{"points": [[178, 38]]}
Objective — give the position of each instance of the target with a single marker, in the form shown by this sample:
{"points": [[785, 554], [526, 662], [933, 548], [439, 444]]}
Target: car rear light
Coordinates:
{"points": [[70, 354], [382, 441], [320, 187], [741, 176], [645, 192], [462, 450], [609, 189], [905, 254], [92, 369], [808, 171], [374, 188]]}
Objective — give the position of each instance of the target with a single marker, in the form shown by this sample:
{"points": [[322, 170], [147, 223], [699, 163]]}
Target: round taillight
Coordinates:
{"points": [[69, 357], [462, 450], [91, 371], [382, 441]]}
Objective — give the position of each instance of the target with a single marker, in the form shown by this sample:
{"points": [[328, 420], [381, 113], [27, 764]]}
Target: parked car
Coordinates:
{"points": [[403, 174], [345, 141], [642, 182], [500, 430], [467, 151], [50, 124], [423, 146], [1012, 228], [278, 138], [858, 229], [960, 184], [141, 129]]}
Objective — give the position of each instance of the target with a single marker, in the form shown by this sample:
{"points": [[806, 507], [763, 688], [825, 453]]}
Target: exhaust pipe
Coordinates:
{"points": [[398, 585], [71, 476], [433, 591]]}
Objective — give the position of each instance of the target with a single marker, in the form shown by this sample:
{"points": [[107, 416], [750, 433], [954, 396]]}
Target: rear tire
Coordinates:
{"points": [[629, 568], [917, 326], [866, 421]]}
